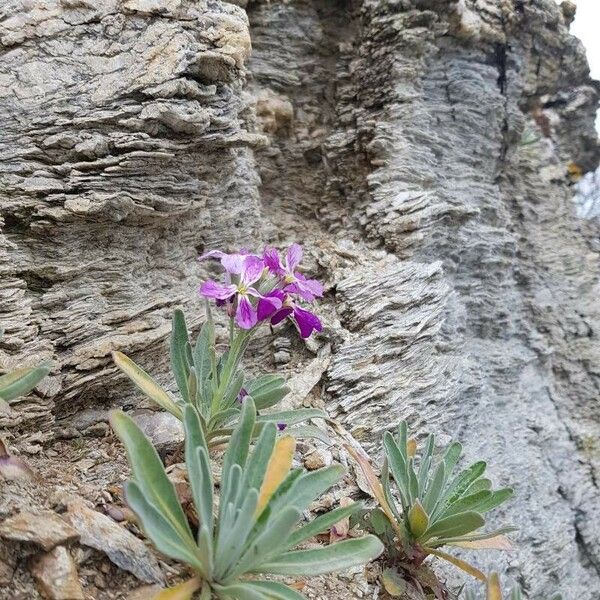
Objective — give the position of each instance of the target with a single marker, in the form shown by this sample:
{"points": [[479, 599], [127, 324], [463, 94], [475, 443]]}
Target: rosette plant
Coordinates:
{"points": [[494, 591], [253, 531], [20, 382], [434, 507], [255, 290]]}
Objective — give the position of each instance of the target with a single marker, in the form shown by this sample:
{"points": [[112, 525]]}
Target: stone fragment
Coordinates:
{"points": [[46, 529], [124, 549], [164, 430], [56, 575], [318, 459], [274, 112], [301, 385]]}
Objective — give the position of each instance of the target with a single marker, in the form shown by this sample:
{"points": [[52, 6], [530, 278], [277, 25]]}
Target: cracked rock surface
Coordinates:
{"points": [[420, 151]]}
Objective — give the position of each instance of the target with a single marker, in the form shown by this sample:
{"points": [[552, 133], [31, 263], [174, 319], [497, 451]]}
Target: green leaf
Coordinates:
{"points": [[478, 485], [496, 498], [233, 389], [21, 381], [385, 484], [425, 464], [267, 543], [455, 525], [304, 432], [146, 384], [291, 417], [379, 521], [148, 471], [336, 557], [192, 384], [516, 593], [198, 466], [403, 440], [204, 351], [412, 481], [267, 390], [398, 468], [207, 390], [235, 542], [462, 482], [223, 417], [259, 590], [239, 591], [256, 466], [166, 536], [308, 487], [434, 489], [466, 503], [237, 450], [321, 524], [230, 490], [451, 457], [459, 485], [179, 348], [205, 549]]}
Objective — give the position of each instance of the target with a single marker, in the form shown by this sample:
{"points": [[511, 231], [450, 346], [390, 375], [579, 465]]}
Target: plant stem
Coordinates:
{"points": [[237, 348]]}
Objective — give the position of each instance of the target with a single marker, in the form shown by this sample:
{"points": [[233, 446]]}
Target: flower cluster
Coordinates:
{"points": [[261, 288]]}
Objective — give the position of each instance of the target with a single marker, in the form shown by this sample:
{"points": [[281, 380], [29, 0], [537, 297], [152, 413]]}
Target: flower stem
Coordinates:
{"points": [[238, 346]]}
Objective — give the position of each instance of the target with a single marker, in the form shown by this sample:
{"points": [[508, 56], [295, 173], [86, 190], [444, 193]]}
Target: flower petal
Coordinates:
{"points": [[280, 315], [217, 291], [293, 257], [308, 289], [267, 305], [212, 254], [245, 315], [252, 269], [233, 263], [307, 321], [272, 261]]}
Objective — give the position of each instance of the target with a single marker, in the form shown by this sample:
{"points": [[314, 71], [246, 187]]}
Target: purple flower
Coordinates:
{"points": [[293, 281], [233, 263], [307, 322], [243, 394], [281, 426], [248, 269]]}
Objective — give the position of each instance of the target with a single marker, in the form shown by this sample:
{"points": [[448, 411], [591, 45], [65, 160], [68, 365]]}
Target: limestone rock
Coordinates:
{"points": [[45, 529], [420, 151], [164, 429], [317, 459], [56, 575], [125, 550]]}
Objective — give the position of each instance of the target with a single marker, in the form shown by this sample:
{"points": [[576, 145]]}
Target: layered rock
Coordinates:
{"points": [[421, 150]]}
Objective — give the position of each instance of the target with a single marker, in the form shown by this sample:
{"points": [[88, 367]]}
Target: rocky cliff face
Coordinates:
{"points": [[421, 151]]}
